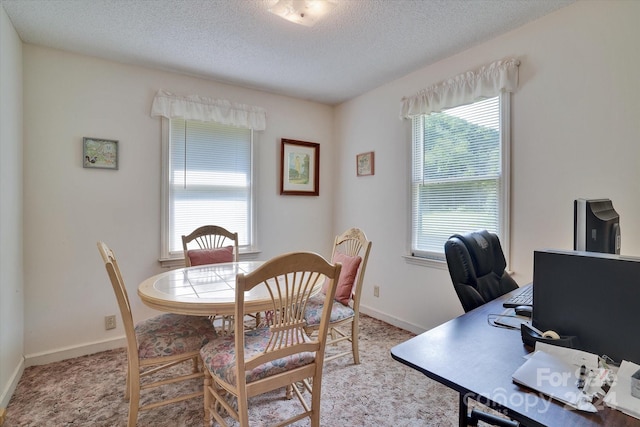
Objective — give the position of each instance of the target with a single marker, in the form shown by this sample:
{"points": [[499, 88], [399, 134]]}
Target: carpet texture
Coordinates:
{"points": [[88, 391]]}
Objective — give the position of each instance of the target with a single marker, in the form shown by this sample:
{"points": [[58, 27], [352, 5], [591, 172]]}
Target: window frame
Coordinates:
{"points": [[437, 259], [167, 257]]}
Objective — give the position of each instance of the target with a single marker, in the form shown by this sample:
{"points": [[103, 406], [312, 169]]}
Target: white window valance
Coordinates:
{"points": [[485, 82], [194, 107]]}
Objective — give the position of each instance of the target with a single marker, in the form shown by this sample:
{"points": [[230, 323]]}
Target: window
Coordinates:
{"points": [[460, 179], [207, 179]]}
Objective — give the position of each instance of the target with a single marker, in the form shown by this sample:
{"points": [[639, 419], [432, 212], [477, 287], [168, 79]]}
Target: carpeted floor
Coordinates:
{"points": [[88, 391]]}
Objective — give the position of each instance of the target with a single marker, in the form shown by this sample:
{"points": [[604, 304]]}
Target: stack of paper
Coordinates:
{"points": [[571, 355], [619, 395], [554, 377]]}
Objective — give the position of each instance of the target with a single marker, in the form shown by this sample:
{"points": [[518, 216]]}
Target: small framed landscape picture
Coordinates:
{"points": [[365, 164], [99, 153]]}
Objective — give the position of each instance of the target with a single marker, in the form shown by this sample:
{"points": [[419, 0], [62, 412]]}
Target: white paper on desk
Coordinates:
{"points": [[570, 355], [619, 396], [596, 377], [554, 377]]}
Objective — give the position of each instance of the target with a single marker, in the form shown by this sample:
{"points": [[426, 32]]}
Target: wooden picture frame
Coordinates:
{"points": [[299, 168], [365, 163], [99, 153]]}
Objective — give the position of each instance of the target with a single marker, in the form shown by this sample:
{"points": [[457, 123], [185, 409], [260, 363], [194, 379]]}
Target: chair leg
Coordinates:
{"points": [[243, 411], [288, 393], [127, 386], [227, 325], [133, 413], [258, 319], [134, 398], [355, 328], [315, 404], [207, 397]]}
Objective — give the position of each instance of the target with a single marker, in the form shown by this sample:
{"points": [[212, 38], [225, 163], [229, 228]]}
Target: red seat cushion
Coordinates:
{"points": [[210, 256], [348, 274]]}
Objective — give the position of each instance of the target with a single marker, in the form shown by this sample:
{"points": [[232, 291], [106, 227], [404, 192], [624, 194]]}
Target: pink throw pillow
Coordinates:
{"points": [[210, 256], [348, 274]]}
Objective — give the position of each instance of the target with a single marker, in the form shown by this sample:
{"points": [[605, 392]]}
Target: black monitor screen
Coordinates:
{"points": [[589, 295]]}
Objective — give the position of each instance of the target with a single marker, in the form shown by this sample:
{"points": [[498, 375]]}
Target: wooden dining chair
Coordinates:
{"points": [[210, 244], [352, 249], [156, 344], [253, 362]]}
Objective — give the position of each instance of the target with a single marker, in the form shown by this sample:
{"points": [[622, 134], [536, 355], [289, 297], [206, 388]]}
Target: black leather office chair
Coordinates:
{"points": [[477, 268]]}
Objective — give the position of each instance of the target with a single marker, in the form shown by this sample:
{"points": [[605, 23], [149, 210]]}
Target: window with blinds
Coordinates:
{"points": [[207, 180], [460, 174]]}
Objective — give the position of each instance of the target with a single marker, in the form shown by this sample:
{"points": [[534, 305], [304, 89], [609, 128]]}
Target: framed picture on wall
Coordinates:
{"points": [[99, 153], [365, 164], [299, 168]]}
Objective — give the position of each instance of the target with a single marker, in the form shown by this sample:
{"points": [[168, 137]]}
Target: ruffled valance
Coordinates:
{"points": [[485, 82], [194, 107]]}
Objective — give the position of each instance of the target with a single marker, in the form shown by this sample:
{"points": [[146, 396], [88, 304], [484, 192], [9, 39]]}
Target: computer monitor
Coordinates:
{"points": [[592, 296], [596, 226]]}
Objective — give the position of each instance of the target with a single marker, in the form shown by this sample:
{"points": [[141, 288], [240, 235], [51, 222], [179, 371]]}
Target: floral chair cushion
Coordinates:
{"points": [[219, 356], [313, 312], [170, 334]]}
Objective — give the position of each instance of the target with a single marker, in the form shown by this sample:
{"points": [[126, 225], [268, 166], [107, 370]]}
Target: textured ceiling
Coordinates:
{"points": [[360, 45]]}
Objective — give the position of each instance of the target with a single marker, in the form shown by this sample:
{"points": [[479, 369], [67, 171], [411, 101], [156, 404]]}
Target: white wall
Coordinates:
{"points": [[11, 279], [575, 133], [68, 208]]}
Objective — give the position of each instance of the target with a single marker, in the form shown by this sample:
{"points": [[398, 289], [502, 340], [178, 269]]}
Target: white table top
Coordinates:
{"points": [[202, 290]]}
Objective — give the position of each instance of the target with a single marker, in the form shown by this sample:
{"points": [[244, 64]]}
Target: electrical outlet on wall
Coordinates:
{"points": [[110, 322], [376, 291]]}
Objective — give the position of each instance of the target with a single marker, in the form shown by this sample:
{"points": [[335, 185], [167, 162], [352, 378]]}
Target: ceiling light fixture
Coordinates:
{"points": [[304, 12]]}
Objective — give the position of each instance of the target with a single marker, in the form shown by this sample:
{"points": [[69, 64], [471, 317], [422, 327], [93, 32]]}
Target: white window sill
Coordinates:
{"points": [[440, 264]]}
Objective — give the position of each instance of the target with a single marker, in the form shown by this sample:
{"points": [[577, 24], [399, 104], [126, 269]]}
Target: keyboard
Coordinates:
{"points": [[523, 298]]}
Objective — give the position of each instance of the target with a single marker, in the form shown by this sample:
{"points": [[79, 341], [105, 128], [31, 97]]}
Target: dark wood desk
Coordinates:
{"points": [[477, 360]]}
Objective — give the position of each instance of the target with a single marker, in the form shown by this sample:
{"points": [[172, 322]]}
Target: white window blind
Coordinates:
{"points": [[208, 180], [460, 174]]}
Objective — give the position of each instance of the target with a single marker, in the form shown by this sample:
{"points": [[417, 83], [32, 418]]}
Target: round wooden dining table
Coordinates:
{"points": [[205, 290]]}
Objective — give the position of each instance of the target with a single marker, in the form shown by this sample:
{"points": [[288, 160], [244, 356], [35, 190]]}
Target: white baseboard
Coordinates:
{"points": [[391, 320], [64, 353], [5, 397]]}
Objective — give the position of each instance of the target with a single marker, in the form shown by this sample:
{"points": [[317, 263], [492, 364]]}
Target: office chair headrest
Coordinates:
{"points": [[486, 252]]}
